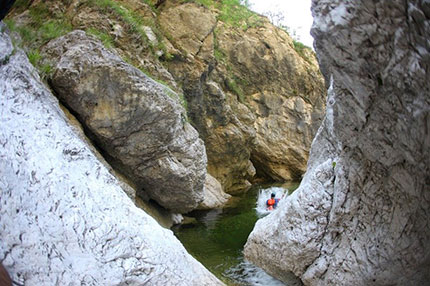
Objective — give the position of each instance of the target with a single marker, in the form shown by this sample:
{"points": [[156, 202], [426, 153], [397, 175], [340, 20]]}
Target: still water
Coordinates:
{"points": [[217, 236]]}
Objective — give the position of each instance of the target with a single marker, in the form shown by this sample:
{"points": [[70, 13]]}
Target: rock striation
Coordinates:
{"points": [[65, 219], [138, 122], [362, 211]]}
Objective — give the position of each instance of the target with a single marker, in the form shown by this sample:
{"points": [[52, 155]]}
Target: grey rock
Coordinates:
{"points": [[137, 121], [65, 219], [6, 47], [361, 215]]}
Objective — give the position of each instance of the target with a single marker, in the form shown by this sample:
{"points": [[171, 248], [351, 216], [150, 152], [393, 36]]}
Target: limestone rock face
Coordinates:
{"points": [[65, 220], [362, 211], [137, 121], [256, 102], [284, 91], [190, 25]]}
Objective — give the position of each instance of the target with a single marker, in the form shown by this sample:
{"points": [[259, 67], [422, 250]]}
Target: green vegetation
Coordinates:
{"points": [[301, 49], [105, 38], [116, 6], [42, 28], [235, 13], [21, 5], [53, 29], [133, 21], [206, 3], [35, 58], [218, 53], [234, 87], [46, 25]]}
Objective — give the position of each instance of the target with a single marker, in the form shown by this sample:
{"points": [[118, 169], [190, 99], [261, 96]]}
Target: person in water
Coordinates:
{"points": [[272, 203]]}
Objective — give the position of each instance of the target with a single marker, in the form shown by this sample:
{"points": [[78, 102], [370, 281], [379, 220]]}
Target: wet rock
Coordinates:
{"points": [[65, 219], [135, 120], [361, 213]]}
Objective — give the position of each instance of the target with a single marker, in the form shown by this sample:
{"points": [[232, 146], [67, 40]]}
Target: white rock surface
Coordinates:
{"points": [[361, 215], [64, 219]]}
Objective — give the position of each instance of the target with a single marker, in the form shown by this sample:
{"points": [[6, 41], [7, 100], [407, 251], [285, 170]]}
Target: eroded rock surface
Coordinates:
{"points": [[136, 120], [65, 220], [361, 215]]}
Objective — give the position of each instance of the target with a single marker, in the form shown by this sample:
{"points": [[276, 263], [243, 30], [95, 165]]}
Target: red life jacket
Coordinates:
{"points": [[271, 202]]}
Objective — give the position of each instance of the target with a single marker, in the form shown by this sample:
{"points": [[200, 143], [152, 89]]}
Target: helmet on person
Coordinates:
{"points": [[272, 195]]}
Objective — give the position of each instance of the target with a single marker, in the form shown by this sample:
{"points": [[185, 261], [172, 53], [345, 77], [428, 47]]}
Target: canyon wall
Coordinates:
{"points": [[361, 215], [255, 96], [256, 100], [64, 218]]}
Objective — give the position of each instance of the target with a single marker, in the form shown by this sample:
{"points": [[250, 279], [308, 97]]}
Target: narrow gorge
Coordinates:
{"points": [[119, 119]]}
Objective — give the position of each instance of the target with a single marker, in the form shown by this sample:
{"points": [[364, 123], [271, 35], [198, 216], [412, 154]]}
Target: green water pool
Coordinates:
{"points": [[217, 237]]}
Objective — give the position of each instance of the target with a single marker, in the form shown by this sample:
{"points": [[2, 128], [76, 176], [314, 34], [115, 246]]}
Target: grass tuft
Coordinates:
{"points": [[236, 13], [105, 38], [301, 49]]}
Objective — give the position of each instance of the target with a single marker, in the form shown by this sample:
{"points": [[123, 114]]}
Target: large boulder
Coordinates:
{"points": [[362, 211], [65, 219], [138, 122]]}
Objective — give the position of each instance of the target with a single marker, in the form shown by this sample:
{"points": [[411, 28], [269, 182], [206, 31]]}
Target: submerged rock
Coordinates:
{"points": [[362, 211], [135, 120], [65, 219]]}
